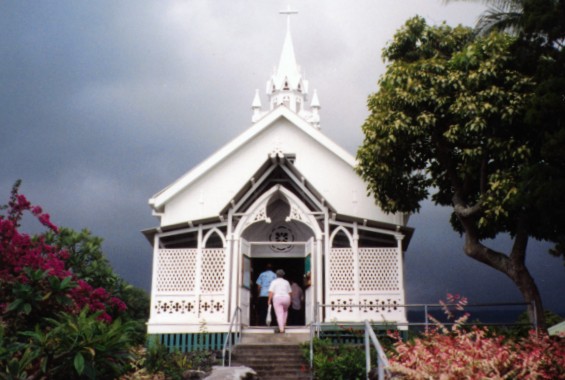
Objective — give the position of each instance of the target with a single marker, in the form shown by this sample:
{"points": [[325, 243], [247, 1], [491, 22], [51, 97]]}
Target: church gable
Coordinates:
{"points": [[204, 191]]}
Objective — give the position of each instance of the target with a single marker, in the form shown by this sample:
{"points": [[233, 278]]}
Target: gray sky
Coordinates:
{"points": [[104, 103]]}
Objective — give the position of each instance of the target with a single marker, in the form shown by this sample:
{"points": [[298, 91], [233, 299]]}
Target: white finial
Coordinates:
{"points": [[256, 101], [315, 101], [256, 107]]}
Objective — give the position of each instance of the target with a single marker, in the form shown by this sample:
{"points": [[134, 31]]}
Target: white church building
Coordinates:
{"points": [[283, 193]]}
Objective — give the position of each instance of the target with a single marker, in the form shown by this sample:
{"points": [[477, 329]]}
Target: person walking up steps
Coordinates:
{"points": [[296, 300], [263, 282], [279, 297]]}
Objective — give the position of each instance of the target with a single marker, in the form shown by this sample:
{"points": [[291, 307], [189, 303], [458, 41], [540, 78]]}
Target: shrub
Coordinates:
{"points": [[53, 322], [36, 277], [80, 346], [173, 365], [476, 353], [337, 361]]}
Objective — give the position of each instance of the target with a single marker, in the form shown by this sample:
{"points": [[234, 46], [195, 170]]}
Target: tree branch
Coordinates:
{"points": [[461, 209], [518, 253], [464, 211]]}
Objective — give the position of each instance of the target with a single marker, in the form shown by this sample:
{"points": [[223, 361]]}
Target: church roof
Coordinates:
{"points": [[161, 198]]}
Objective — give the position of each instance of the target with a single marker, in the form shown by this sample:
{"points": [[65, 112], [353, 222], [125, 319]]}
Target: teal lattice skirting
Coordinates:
{"points": [[190, 342]]}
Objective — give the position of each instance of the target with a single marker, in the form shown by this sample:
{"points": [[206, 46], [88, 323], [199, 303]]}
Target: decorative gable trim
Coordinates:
{"points": [[244, 197], [258, 210]]}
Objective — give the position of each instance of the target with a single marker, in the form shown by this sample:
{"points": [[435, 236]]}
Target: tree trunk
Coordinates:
{"points": [[527, 286], [512, 265]]}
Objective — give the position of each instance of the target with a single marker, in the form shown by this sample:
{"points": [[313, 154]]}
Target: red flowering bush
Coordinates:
{"points": [[54, 323], [35, 276], [459, 352]]}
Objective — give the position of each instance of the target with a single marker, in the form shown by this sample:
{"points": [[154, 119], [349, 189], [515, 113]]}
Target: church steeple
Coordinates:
{"points": [[287, 87]]}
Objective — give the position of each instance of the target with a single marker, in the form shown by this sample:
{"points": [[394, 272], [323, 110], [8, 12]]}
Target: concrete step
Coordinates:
{"points": [[272, 338], [281, 360], [275, 354]]}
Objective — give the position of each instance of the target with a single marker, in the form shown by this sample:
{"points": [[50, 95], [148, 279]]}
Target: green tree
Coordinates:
{"points": [[87, 261], [450, 118], [538, 52]]}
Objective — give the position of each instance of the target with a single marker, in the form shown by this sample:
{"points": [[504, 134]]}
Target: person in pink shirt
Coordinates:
{"points": [[279, 297]]}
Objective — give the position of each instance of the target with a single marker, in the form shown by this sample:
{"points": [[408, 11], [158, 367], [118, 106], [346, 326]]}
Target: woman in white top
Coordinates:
{"points": [[279, 297]]}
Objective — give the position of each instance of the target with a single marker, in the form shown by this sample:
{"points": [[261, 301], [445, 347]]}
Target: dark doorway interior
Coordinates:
{"points": [[294, 270]]}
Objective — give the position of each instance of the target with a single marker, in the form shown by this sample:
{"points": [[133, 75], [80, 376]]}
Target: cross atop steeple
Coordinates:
{"points": [[289, 12]]}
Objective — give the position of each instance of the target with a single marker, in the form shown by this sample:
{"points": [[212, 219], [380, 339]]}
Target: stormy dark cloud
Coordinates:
{"points": [[104, 103]]}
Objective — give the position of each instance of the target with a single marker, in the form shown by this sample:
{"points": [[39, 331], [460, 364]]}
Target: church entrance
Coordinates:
{"points": [[294, 269]]}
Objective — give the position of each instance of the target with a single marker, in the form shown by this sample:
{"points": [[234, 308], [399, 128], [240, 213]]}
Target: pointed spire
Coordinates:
{"points": [[288, 73], [287, 86]]}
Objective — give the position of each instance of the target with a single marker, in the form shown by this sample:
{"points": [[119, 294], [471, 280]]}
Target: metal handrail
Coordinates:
{"points": [[382, 361], [314, 330], [228, 342]]}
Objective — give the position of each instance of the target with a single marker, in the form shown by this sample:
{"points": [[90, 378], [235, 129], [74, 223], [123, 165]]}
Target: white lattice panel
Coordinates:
{"points": [[176, 270], [378, 269], [213, 270], [341, 276]]}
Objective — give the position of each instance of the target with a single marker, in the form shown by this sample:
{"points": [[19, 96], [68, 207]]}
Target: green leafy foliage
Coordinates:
{"points": [[158, 359], [53, 291], [81, 346], [460, 117], [522, 327], [446, 114], [86, 259], [87, 262], [337, 361]]}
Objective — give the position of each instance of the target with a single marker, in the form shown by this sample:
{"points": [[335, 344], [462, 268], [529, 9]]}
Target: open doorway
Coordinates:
{"points": [[294, 270]]}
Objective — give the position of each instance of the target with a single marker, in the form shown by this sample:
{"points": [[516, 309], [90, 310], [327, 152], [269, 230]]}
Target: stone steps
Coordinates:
{"points": [[272, 356]]}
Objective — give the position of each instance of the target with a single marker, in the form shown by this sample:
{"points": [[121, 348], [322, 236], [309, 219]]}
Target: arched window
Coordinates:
{"points": [[214, 239], [341, 238]]}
